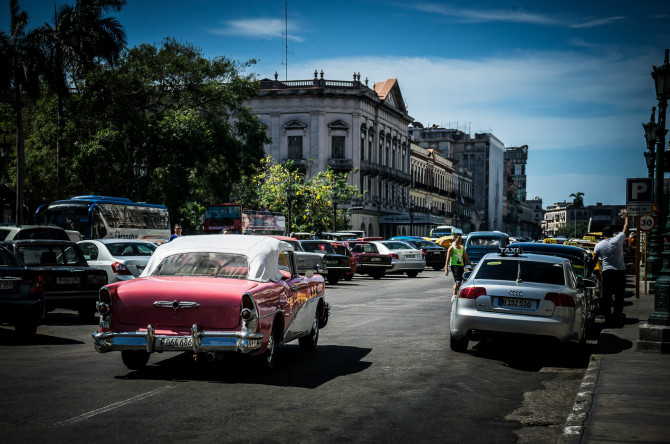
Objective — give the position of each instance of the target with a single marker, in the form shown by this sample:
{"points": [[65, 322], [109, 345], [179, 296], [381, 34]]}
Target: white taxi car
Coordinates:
{"points": [[510, 294]]}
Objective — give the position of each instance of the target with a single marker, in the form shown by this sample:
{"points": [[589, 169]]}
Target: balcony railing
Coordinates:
{"points": [[340, 164]]}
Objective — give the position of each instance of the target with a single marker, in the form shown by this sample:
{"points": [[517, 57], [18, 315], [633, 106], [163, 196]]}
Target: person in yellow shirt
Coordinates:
{"points": [[456, 260]]}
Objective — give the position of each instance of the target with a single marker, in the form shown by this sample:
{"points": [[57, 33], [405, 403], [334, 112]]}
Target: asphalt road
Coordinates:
{"points": [[383, 371]]}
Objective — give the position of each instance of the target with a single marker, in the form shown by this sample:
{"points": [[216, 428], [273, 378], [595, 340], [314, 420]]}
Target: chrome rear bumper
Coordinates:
{"points": [[198, 341]]}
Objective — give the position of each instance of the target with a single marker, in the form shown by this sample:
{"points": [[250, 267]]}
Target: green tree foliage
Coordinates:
{"points": [[313, 205], [178, 113]]}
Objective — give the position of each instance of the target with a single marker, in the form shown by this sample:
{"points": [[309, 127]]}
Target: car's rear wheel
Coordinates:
{"points": [[269, 358], [135, 359], [333, 280], [458, 345], [437, 267], [412, 274], [377, 275], [308, 343]]}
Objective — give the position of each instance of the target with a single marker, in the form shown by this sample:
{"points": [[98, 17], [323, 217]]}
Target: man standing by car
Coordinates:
{"points": [[610, 252]]}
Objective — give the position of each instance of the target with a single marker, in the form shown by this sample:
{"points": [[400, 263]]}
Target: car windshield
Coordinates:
{"points": [[397, 246], [130, 249], [318, 247], [341, 249], [484, 242], [222, 265], [522, 271], [363, 248], [50, 255], [423, 243]]}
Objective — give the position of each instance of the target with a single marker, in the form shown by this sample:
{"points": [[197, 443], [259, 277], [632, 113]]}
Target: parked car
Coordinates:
{"points": [[305, 260], [68, 281], [582, 262], [122, 259], [435, 255], [21, 295], [514, 294], [211, 295], [341, 248], [404, 257], [480, 243], [337, 264], [368, 258], [10, 232]]}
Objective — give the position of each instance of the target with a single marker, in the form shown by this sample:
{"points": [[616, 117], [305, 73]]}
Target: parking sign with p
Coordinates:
{"points": [[639, 191]]}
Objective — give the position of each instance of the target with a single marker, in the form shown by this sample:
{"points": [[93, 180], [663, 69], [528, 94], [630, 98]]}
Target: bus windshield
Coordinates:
{"points": [[100, 217]]}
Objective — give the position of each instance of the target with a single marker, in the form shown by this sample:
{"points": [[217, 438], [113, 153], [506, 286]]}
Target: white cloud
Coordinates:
{"points": [[487, 15], [258, 28]]}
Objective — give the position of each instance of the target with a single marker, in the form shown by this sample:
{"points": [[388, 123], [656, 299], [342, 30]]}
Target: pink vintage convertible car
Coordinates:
{"points": [[213, 294]]}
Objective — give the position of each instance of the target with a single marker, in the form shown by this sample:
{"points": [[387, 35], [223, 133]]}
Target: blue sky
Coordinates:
{"points": [[570, 79]]}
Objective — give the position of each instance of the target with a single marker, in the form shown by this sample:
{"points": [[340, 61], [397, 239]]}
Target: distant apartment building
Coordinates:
{"points": [[519, 219], [483, 156], [346, 125], [594, 217], [441, 193]]}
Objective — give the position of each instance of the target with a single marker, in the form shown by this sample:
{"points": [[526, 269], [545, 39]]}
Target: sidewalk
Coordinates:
{"points": [[625, 393]]}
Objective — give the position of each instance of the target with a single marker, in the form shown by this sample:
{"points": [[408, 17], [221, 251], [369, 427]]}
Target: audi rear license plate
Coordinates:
{"points": [[175, 342], [515, 302], [67, 281]]}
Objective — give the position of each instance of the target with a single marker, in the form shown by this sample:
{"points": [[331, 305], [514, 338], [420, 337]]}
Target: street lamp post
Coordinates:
{"points": [[650, 137], [661, 316]]}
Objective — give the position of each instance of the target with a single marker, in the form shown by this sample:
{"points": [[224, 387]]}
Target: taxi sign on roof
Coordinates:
{"points": [[510, 251]]}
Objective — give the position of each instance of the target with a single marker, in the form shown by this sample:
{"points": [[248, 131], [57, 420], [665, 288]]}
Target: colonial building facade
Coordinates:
{"points": [[483, 155], [595, 217], [346, 125], [441, 193]]}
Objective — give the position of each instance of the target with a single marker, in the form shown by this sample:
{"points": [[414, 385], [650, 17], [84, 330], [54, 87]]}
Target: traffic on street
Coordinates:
{"points": [[383, 371]]}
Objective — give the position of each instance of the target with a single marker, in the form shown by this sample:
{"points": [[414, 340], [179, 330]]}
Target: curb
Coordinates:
{"points": [[574, 425]]}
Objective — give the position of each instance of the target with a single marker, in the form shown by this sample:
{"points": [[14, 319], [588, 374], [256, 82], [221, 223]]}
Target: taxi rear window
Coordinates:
{"points": [[523, 271]]}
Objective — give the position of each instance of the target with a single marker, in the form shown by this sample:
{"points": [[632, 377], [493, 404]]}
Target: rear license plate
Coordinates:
{"points": [[375, 259], [6, 285], [515, 302], [67, 281], [176, 342], [410, 256]]}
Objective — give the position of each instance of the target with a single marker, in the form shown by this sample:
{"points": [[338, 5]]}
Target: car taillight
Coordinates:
{"points": [[119, 268], [472, 292], [560, 299], [38, 285], [97, 279], [106, 294], [424, 252], [394, 256], [249, 313]]}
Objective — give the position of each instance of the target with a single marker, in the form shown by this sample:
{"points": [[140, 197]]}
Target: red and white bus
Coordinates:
{"points": [[223, 216]]}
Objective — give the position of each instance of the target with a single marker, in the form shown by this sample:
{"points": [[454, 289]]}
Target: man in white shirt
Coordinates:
{"points": [[610, 252]]}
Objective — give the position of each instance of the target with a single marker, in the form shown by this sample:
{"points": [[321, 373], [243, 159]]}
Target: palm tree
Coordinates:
{"points": [[19, 68], [79, 37], [577, 202]]}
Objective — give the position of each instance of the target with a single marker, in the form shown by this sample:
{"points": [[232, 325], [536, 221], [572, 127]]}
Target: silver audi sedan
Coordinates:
{"points": [[511, 294]]}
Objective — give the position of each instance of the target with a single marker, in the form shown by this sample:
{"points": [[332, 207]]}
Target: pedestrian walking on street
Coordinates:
{"points": [[610, 253], [456, 260]]}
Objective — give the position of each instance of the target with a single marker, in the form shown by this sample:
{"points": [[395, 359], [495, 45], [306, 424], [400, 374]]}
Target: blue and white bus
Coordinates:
{"points": [[100, 217]]}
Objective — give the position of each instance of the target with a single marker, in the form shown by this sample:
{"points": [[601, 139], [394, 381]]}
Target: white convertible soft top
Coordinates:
{"points": [[262, 252]]}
